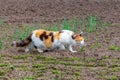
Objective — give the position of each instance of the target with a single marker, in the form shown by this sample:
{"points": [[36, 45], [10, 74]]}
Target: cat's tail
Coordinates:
{"points": [[22, 43]]}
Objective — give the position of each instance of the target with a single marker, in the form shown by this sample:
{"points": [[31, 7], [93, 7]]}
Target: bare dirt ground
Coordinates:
{"points": [[97, 62], [27, 11]]}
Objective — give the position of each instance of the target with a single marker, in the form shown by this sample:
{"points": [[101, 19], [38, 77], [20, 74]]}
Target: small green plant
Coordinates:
{"points": [[69, 24], [75, 24], [11, 67], [101, 25], [16, 34], [2, 72], [115, 69], [82, 49], [3, 65], [38, 65], [65, 63], [95, 45], [82, 24], [74, 58], [1, 44], [1, 22], [91, 23], [53, 27], [26, 30], [114, 78], [55, 72], [38, 57], [25, 56], [77, 73], [113, 47], [27, 78], [65, 24]]}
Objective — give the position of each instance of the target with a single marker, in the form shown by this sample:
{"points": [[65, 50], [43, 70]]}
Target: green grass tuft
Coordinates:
{"points": [[92, 23], [38, 65], [27, 78], [53, 27], [70, 24], [65, 24], [3, 65], [82, 49], [95, 45], [55, 72], [113, 47], [1, 22], [2, 72], [25, 56], [11, 67], [1, 44], [23, 33]]}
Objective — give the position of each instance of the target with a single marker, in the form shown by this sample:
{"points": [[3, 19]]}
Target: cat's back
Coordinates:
{"points": [[65, 36], [69, 32]]}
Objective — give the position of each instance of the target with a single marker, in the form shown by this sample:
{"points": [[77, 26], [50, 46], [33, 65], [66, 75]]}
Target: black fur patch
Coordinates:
{"points": [[51, 34], [80, 34], [24, 42], [43, 35], [60, 31], [35, 47], [73, 37], [52, 38]]}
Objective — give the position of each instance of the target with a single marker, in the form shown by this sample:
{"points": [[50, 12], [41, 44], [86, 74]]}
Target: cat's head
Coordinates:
{"points": [[78, 39]]}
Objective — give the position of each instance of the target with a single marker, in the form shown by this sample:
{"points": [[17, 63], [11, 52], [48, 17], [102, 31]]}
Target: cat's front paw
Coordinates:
{"points": [[40, 51], [26, 50], [73, 51]]}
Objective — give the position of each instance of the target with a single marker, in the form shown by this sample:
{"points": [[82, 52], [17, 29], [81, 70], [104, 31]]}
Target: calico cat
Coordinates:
{"points": [[51, 40]]}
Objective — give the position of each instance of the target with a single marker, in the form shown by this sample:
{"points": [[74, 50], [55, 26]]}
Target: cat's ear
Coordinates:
{"points": [[81, 33]]}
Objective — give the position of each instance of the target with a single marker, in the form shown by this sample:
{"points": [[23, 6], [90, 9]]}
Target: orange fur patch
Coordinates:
{"points": [[77, 37], [57, 35], [48, 42], [47, 36], [38, 32]]}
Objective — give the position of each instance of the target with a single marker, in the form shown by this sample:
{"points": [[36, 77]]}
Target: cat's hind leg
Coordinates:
{"points": [[30, 46], [39, 50], [61, 47]]}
